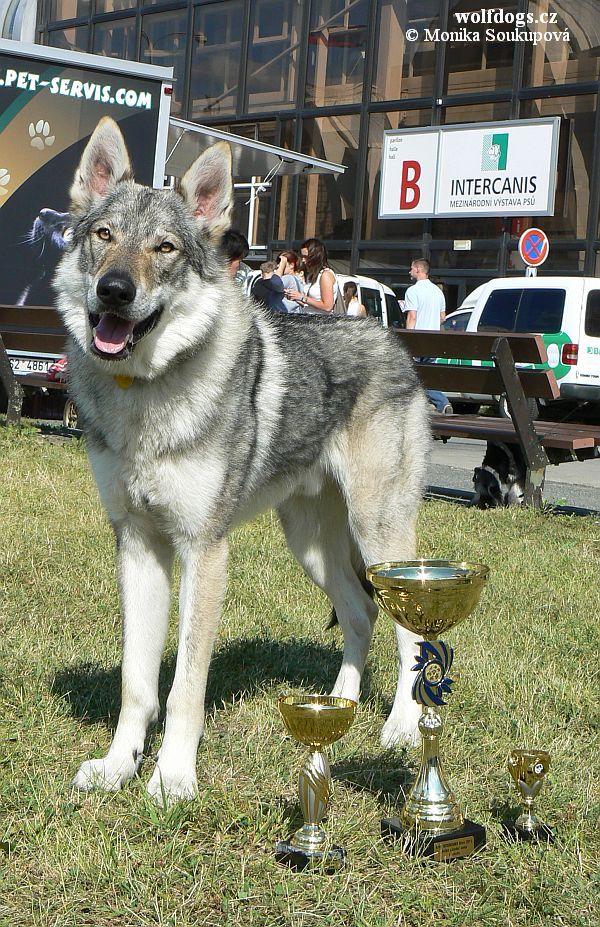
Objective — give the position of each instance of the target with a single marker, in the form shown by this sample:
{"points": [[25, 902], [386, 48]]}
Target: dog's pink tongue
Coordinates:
{"points": [[112, 333]]}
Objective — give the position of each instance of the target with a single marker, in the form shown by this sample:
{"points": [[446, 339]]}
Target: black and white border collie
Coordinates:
{"points": [[500, 480]]}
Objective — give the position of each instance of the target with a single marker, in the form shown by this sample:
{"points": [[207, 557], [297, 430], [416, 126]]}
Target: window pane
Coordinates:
{"points": [[374, 228], [69, 9], [325, 202], [163, 43], [572, 57], [282, 200], [337, 44], [481, 64], [405, 68], [523, 310], [500, 311], [575, 160], [75, 39], [216, 59], [541, 311], [117, 39], [273, 53], [114, 6], [592, 314]]}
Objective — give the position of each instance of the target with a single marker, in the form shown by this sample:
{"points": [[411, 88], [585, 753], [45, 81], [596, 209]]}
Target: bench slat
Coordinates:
{"points": [[525, 348], [30, 317], [35, 343], [551, 434], [540, 384]]}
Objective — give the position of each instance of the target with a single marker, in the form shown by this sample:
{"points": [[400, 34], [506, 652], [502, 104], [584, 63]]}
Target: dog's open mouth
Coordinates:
{"points": [[114, 338]]}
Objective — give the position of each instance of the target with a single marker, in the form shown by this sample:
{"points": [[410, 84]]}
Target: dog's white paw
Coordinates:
{"points": [[400, 731], [167, 786], [104, 774]]}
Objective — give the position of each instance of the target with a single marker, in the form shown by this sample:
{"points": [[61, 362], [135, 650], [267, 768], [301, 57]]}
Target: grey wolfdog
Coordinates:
{"points": [[202, 409]]}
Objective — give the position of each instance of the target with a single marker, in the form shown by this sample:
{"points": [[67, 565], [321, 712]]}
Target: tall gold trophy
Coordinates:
{"points": [[316, 721], [428, 597]]}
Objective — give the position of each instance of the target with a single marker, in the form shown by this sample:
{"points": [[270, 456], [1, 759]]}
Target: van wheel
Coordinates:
{"points": [[532, 406], [70, 414]]}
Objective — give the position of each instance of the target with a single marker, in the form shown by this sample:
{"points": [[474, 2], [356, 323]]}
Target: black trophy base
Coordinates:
{"points": [[442, 848], [540, 834], [333, 858]]}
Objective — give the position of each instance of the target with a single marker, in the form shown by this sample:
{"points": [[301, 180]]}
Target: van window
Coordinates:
{"points": [[394, 312], [592, 314], [523, 310], [371, 300]]}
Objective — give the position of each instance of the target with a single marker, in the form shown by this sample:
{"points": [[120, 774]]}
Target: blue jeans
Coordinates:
{"points": [[435, 396]]}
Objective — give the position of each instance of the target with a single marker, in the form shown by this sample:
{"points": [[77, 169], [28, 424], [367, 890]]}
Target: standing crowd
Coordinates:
{"points": [[304, 283]]}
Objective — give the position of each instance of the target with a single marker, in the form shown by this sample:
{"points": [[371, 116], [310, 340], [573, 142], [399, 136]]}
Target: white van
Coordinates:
{"points": [[565, 311], [378, 299]]}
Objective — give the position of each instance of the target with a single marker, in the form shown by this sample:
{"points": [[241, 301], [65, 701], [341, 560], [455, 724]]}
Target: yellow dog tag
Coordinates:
{"points": [[123, 381]]}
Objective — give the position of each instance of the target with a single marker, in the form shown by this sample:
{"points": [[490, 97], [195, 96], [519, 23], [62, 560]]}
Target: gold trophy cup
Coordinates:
{"points": [[316, 721], [428, 597], [528, 769]]}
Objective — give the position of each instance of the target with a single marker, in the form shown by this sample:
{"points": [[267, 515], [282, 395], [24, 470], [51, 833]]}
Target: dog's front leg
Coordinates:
{"points": [[144, 566], [203, 581]]}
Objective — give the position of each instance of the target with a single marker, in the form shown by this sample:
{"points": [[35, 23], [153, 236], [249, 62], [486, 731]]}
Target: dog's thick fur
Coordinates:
{"points": [[500, 480], [201, 409]]}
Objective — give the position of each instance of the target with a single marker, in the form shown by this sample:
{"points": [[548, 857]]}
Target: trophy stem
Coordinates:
{"points": [[314, 788], [527, 820], [431, 805]]}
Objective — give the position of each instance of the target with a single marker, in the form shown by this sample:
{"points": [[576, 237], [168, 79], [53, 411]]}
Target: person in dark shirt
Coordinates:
{"points": [[268, 289]]}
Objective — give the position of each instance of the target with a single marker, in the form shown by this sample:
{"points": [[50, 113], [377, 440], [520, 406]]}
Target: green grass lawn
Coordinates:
{"points": [[526, 670]]}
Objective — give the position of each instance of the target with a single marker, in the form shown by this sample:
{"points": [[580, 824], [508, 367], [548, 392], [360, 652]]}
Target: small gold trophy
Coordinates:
{"points": [[316, 721], [528, 769], [429, 597]]}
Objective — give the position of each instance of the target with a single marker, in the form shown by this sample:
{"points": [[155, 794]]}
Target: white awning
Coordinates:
{"points": [[187, 140]]}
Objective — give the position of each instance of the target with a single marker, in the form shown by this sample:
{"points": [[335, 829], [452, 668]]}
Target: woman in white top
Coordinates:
{"points": [[354, 308], [320, 285]]}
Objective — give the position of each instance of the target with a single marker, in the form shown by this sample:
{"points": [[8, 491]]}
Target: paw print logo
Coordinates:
{"points": [[39, 132], [4, 181]]}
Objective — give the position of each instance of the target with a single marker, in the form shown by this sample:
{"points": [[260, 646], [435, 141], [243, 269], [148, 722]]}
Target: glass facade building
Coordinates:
{"points": [[327, 77]]}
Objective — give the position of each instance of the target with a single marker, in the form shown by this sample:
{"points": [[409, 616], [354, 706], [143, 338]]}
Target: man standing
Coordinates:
{"points": [[426, 309]]}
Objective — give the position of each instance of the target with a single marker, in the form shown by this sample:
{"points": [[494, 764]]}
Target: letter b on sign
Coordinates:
{"points": [[410, 192]]}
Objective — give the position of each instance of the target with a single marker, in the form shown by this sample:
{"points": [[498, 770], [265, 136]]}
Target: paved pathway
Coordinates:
{"points": [[576, 484]]}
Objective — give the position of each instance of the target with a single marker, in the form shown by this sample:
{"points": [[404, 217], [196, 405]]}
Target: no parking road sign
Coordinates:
{"points": [[534, 247]]}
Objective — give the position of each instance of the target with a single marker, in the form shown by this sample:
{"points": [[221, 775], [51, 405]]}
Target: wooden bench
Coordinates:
{"points": [[541, 442], [34, 332]]}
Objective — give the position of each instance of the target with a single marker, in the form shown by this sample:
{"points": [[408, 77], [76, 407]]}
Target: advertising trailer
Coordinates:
{"points": [[50, 102]]}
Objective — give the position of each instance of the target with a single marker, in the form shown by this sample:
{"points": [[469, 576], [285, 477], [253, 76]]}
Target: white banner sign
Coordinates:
{"points": [[485, 169]]}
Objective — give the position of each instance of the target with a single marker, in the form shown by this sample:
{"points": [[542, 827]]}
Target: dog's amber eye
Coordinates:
{"points": [[104, 234], [165, 247]]}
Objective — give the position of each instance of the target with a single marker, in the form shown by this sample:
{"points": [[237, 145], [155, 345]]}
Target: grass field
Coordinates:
{"points": [[526, 672]]}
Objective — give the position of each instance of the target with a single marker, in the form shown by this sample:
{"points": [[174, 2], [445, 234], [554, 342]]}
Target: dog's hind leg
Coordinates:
{"points": [[316, 529], [144, 566], [203, 581], [382, 475]]}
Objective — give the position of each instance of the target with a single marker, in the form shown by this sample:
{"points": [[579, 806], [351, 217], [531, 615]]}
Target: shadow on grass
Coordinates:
{"points": [[388, 774], [241, 667]]}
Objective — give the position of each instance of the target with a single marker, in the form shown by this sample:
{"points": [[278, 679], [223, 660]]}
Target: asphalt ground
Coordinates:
{"points": [[571, 484]]}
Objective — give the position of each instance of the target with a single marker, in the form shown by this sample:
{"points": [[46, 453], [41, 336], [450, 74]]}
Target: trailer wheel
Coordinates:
{"points": [[70, 414]]}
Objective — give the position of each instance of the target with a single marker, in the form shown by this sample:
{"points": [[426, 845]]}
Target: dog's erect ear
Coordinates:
{"points": [[103, 164], [208, 189]]}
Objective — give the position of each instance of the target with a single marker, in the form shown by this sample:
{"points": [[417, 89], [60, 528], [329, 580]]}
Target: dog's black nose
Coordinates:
{"points": [[115, 290]]}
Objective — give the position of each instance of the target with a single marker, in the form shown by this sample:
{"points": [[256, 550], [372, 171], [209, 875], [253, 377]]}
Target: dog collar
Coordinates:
{"points": [[123, 381]]}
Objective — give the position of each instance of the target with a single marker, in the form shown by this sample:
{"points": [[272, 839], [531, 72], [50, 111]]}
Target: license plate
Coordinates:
{"points": [[22, 366]]}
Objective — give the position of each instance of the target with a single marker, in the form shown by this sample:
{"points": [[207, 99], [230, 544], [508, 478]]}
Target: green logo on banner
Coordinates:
{"points": [[494, 152]]}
